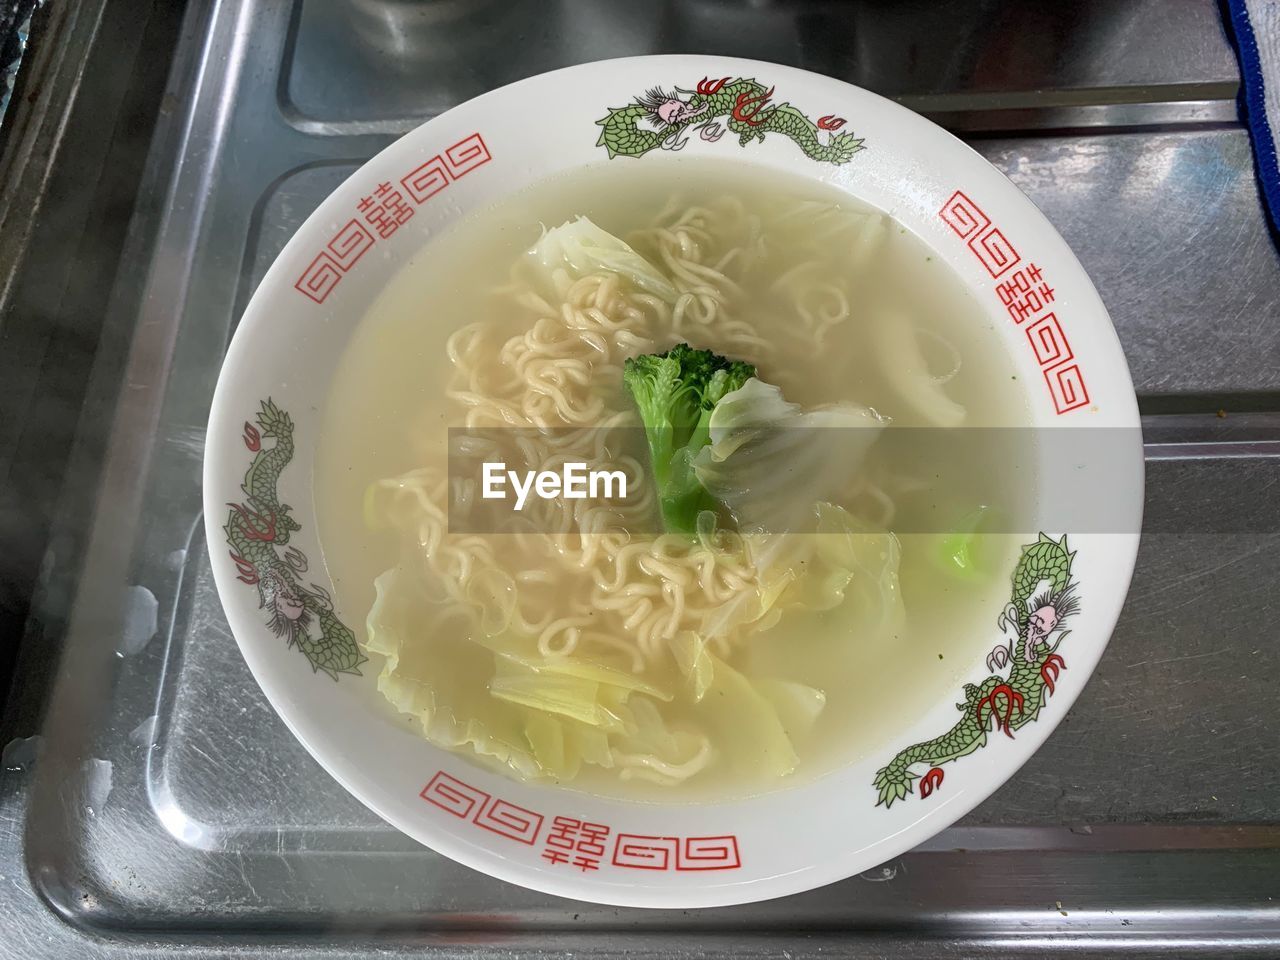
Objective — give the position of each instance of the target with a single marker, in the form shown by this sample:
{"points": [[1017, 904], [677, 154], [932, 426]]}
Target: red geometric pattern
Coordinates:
{"points": [[508, 820], [1048, 342], [427, 180], [1025, 295], [963, 216], [709, 853], [1066, 386], [645, 853], [319, 279], [453, 796], [386, 211], [969, 223], [467, 154], [576, 842], [349, 244], [995, 252], [339, 255]]}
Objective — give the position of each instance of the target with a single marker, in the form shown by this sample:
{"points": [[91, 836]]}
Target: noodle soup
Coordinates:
{"points": [[684, 644]]}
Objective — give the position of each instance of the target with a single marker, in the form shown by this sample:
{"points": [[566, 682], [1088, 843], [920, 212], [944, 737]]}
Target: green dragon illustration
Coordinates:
{"points": [[663, 119], [262, 524], [1033, 667]]}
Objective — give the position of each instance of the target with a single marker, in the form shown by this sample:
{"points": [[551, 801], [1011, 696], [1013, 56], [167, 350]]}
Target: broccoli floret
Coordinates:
{"points": [[675, 393]]}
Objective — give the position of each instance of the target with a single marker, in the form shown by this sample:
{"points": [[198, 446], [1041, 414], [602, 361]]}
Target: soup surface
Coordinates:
{"points": [[778, 593]]}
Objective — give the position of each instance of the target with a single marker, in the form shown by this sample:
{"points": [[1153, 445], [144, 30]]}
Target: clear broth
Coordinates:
{"points": [[387, 396]]}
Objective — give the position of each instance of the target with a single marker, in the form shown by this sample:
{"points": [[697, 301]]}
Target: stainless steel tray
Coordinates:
{"points": [[159, 807]]}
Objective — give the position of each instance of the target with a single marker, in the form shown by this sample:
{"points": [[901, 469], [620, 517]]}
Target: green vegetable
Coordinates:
{"points": [[578, 668], [574, 697], [693, 661], [579, 247], [959, 552], [769, 461], [748, 724], [797, 704], [676, 393]]}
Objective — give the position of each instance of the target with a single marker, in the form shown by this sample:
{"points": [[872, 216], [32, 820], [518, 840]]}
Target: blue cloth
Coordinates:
{"points": [[1255, 26]]}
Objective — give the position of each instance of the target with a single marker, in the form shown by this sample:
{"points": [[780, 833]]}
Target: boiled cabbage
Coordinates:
{"points": [[540, 716], [747, 724], [769, 461], [579, 247]]}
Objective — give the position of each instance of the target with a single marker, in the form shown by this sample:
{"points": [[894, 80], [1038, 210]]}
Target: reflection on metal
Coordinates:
{"points": [[15, 29], [1146, 815]]}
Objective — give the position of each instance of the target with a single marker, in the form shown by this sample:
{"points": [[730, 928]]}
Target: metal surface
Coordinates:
{"points": [[72, 150], [166, 811]]}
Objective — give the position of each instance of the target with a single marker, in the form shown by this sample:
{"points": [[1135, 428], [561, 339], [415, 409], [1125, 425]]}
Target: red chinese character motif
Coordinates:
{"points": [[1025, 294], [576, 842], [386, 210]]}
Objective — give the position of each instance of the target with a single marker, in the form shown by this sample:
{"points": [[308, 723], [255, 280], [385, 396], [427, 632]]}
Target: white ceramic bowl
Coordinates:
{"points": [[299, 322]]}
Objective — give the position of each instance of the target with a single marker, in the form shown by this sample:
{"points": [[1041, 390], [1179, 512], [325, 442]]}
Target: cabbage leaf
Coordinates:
{"points": [[769, 461], [579, 247]]}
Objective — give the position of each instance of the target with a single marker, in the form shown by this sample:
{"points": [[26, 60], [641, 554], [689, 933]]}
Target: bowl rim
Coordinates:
{"points": [[250, 635]]}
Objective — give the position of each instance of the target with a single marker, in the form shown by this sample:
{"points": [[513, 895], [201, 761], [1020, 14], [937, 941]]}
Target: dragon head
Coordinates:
{"points": [[285, 603], [1048, 611], [667, 109]]}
